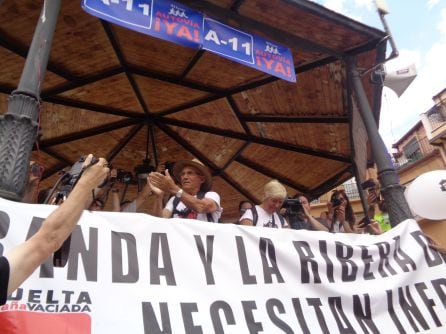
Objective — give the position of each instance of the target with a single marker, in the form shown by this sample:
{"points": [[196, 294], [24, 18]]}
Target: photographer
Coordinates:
{"points": [[21, 261], [116, 188], [298, 212], [341, 217]]}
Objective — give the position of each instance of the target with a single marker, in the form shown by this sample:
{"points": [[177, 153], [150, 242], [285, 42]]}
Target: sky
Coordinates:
{"points": [[419, 30]]}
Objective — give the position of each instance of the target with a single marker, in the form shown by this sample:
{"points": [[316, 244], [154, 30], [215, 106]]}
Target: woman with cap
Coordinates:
{"points": [[192, 198], [267, 213]]}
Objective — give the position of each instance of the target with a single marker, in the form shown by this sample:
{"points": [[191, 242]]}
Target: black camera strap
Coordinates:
{"points": [[186, 211], [255, 217]]}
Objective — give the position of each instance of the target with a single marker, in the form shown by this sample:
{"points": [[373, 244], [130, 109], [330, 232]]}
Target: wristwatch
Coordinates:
{"points": [[179, 193]]}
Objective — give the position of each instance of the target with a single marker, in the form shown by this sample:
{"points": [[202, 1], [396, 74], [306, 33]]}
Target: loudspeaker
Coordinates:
{"points": [[399, 80]]}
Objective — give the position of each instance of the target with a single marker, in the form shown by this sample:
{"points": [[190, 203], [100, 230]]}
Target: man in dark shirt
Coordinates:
{"points": [[20, 262]]}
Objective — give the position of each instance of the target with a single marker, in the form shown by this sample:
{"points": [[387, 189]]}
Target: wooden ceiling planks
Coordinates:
{"points": [[217, 149], [215, 71], [14, 63], [114, 91], [150, 53], [217, 114], [299, 134], [80, 43], [304, 98], [296, 166], [57, 121], [305, 23], [161, 95]]}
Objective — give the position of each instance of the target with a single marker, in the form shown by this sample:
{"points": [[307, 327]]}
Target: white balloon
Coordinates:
{"points": [[426, 195]]}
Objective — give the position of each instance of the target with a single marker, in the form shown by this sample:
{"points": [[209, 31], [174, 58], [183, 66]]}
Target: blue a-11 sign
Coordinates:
{"points": [[163, 19], [227, 41], [134, 14], [248, 49], [177, 23]]}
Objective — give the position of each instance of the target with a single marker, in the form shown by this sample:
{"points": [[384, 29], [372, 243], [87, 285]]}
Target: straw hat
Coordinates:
{"points": [[195, 163]]}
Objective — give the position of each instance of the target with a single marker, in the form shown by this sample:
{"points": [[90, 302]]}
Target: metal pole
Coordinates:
{"points": [[392, 191], [19, 127]]}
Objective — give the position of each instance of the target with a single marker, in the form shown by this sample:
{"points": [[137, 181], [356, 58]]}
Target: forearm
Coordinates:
{"points": [[26, 257], [116, 203], [61, 222], [316, 224], [143, 196], [204, 205], [158, 206]]}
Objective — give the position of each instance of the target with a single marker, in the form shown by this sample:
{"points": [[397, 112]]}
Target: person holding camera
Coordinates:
{"points": [[119, 182], [299, 215], [192, 198], [267, 213], [20, 262], [341, 217]]}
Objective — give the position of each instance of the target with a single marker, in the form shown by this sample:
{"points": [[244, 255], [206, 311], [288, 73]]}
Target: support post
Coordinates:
{"points": [[392, 191], [19, 126]]}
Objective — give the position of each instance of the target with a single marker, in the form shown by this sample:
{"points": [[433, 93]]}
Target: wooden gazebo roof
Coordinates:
{"points": [[107, 85]]}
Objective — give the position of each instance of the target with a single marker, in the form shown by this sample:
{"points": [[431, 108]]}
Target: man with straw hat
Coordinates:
{"points": [[192, 198]]}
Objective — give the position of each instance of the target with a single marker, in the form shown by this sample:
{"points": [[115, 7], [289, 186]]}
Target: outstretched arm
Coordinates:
{"points": [[317, 226], [56, 228]]}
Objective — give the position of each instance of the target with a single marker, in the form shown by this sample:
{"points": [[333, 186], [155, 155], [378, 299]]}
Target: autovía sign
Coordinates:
{"points": [[182, 25]]}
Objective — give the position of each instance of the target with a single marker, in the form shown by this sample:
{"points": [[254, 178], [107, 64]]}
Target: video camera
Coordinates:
{"points": [[66, 182], [293, 206]]}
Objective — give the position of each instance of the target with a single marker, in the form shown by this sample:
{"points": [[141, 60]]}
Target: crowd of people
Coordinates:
{"points": [[185, 191]]}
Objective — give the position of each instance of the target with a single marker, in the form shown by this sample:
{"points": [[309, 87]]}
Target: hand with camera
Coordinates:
{"points": [[94, 174], [57, 227], [367, 224]]}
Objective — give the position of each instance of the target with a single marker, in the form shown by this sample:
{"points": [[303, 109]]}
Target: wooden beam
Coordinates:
{"points": [[87, 133], [253, 139], [265, 171]]}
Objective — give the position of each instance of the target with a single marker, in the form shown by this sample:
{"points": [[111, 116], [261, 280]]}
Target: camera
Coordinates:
{"points": [[67, 181], [335, 201], [293, 206], [368, 184], [72, 176], [124, 176], [169, 165]]}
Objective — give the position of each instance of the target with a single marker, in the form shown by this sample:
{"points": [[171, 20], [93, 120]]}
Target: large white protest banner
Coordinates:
{"points": [[134, 273]]}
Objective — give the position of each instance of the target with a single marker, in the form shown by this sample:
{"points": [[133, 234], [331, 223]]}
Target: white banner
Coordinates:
{"points": [[134, 273]]}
